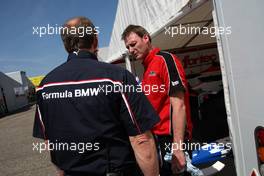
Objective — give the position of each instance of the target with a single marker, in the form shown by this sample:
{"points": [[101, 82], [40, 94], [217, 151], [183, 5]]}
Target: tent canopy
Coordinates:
{"points": [[161, 18]]}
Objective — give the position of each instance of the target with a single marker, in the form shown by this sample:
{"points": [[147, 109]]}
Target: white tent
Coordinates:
{"points": [[159, 16], [102, 53]]}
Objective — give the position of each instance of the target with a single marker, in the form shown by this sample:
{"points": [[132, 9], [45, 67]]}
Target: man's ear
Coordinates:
{"points": [[95, 43], [145, 38]]}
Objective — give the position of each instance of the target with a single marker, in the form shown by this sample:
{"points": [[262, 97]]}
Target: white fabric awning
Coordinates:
{"points": [[157, 16], [152, 14], [102, 53]]}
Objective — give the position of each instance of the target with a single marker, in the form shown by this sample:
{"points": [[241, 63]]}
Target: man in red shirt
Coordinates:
{"points": [[170, 100]]}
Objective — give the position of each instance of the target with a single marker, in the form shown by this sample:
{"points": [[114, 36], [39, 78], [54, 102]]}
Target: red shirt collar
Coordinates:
{"points": [[150, 56]]}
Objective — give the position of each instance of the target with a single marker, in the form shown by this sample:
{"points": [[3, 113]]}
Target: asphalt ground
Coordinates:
{"points": [[16, 147], [18, 157]]}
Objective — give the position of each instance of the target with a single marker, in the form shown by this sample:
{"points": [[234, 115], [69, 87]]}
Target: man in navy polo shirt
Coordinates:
{"points": [[91, 124]]}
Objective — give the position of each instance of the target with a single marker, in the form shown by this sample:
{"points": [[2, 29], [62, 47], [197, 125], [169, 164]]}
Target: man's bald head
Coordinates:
{"points": [[78, 33], [73, 21]]}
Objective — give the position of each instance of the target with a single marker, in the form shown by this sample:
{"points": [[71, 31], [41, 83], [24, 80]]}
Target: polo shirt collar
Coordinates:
{"points": [[82, 54], [150, 56]]}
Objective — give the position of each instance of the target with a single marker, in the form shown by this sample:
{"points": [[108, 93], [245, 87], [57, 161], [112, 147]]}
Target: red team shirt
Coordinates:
{"points": [[165, 72]]}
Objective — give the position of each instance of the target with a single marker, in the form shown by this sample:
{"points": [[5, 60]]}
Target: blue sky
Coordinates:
{"points": [[21, 50]]}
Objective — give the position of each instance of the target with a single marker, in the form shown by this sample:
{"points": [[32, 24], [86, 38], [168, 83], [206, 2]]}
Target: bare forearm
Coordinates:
{"points": [[146, 155], [178, 117], [179, 122]]}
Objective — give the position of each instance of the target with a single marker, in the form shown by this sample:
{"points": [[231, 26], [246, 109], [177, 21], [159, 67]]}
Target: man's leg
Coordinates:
{"points": [[163, 142]]}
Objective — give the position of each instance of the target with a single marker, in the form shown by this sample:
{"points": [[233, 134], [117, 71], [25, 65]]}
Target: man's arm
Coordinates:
{"points": [[145, 151], [179, 122]]}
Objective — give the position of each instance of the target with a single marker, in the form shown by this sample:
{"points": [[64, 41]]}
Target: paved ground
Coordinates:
{"points": [[16, 149], [17, 157]]}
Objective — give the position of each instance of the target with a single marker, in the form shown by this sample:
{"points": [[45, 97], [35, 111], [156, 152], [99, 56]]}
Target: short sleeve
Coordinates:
{"points": [[137, 114], [172, 74]]}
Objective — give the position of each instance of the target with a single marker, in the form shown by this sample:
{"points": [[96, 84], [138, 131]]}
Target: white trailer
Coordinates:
{"points": [[241, 56]]}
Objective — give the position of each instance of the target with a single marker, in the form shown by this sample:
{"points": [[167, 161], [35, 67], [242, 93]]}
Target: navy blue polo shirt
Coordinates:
{"points": [[87, 115]]}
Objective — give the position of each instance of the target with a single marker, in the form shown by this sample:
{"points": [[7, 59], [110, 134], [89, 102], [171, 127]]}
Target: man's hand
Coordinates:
{"points": [[178, 162], [59, 172]]}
